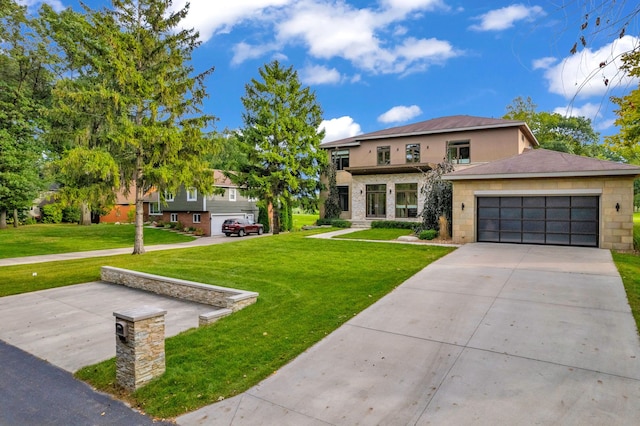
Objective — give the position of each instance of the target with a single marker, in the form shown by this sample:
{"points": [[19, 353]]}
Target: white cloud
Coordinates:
{"points": [[213, 17], [584, 74], [55, 4], [340, 128], [370, 38], [318, 74], [504, 18], [588, 110], [544, 63], [399, 114], [332, 30]]}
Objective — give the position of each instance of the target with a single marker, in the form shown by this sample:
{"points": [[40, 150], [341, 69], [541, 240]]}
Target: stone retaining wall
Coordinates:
{"points": [[221, 297]]}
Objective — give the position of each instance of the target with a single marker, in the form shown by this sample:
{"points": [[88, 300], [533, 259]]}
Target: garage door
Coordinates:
{"points": [[218, 219], [567, 220]]}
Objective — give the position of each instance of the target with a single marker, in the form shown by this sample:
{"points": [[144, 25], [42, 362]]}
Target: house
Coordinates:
{"points": [[124, 208], [380, 174], [207, 212], [545, 197]]}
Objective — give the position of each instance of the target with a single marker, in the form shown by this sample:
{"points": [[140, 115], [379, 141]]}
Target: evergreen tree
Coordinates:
{"points": [[135, 58], [280, 140], [332, 203]]}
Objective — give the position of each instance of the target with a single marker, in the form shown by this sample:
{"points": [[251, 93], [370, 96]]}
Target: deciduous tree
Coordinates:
{"points": [[24, 94], [280, 139]]}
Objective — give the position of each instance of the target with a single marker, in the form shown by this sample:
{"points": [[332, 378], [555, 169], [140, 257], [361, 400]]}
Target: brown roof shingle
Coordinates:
{"points": [[544, 163], [454, 123]]}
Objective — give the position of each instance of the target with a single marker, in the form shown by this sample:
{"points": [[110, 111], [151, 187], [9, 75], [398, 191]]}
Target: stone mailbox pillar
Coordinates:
{"points": [[139, 346]]}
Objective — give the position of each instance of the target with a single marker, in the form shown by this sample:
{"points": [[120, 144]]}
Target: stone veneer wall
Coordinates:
{"points": [[140, 357], [359, 199], [222, 297], [616, 227]]}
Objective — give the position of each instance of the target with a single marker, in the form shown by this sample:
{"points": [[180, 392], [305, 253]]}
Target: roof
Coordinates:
{"points": [[534, 163], [454, 123]]}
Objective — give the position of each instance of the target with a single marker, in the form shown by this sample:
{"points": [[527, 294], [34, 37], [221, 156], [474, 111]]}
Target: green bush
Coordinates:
{"points": [[337, 223], [263, 217], [428, 234], [393, 224], [51, 213], [71, 214]]}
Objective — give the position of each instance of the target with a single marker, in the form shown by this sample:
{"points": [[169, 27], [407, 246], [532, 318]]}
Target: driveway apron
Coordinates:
{"points": [[490, 334]]}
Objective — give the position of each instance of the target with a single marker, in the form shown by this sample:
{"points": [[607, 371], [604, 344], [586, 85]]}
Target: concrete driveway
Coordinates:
{"points": [[72, 327], [490, 334]]}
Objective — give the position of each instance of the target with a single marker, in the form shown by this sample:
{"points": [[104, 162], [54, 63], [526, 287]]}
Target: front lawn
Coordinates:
{"points": [[628, 265], [303, 219], [308, 288], [33, 240], [385, 234]]}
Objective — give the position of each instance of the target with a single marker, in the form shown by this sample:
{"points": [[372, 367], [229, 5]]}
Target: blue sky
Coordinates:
{"points": [[379, 64]]}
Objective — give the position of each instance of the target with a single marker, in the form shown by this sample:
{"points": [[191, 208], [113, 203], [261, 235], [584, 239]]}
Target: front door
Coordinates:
{"points": [[377, 200]]}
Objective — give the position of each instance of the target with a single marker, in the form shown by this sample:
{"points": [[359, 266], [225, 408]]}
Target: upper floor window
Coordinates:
{"points": [[192, 194], [232, 194], [458, 152], [413, 153], [340, 159], [168, 196], [384, 155]]}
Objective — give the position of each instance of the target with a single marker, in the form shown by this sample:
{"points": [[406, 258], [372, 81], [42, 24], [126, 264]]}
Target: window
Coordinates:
{"points": [[168, 196], [343, 198], [413, 153], [384, 155], [458, 152], [232, 194], [340, 159], [173, 217], [406, 200], [154, 208], [196, 218], [192, 194]]}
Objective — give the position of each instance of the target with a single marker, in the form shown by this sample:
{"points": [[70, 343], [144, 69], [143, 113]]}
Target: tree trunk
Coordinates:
{"points": [[138, 245], [85, 214], [276, 218], [15, 218], [3, 219]]}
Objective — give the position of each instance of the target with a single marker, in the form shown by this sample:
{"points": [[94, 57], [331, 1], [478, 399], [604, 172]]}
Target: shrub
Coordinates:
{"points": [[51, 213], [263, 216], [71, 214], [198, 232], [428, 234], [131, 214], [159, 224], [393, 224], [337, 223]]}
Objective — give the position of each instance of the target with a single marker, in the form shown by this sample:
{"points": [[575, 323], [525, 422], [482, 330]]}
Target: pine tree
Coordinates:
{"points": [[280, 140]]}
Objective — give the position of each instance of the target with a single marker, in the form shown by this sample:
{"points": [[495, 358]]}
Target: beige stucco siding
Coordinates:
{"points": [[616, 227], [485, 145]]}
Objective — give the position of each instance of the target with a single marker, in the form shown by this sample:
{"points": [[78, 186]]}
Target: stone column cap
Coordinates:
{"points": [[141, 313]]}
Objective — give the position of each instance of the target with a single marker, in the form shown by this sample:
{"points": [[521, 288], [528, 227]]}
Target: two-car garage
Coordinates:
{"points": [[545, 197], [558, 220]]}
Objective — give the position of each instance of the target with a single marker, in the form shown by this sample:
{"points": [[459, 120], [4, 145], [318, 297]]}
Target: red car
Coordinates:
{"points": [[241, 227]]}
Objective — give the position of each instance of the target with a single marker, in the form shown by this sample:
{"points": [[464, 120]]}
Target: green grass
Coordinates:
{"points": [[308, 288], [301, 219], [628, 265], [385, 234], [32, 240]]}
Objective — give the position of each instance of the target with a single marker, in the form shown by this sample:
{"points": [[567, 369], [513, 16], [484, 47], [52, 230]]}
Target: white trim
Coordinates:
{"points": [[537, 192], [166, 196], [233, 194], [190, 192]]}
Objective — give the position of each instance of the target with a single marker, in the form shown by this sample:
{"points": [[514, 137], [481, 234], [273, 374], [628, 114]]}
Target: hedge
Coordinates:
{"points": [[393, 224]]}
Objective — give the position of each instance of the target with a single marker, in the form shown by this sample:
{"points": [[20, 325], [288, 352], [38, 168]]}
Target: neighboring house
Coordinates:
{"points": [[207, 212], [124, 208], [380, 175], [545, 197]]}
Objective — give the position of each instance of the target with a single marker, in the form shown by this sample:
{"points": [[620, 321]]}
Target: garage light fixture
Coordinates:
{"points": [[462, 206], [617, 207]]}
